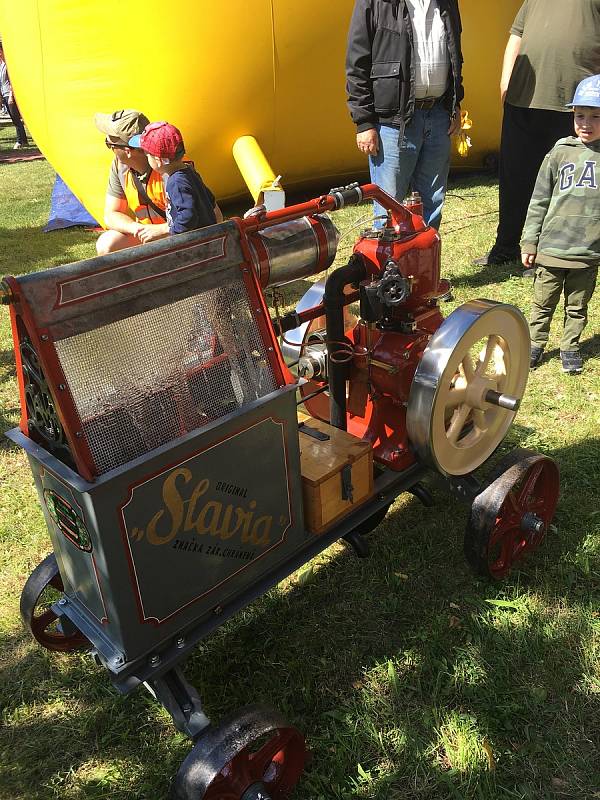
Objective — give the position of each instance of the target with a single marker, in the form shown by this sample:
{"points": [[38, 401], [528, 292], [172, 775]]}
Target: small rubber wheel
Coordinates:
{"points": [[252, 753], [43, 588], [372, 522], [511, 516]]}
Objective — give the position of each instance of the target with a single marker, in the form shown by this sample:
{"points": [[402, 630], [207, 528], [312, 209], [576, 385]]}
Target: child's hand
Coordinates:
{"points": [[528, 259], [136, 229], [145, 234]]}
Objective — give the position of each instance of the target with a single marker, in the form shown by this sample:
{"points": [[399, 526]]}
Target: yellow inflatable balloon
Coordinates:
{"points": [[272, 69]]}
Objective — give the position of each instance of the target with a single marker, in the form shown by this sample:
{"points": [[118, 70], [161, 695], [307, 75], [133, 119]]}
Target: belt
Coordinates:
{"points": [[427, 102]]}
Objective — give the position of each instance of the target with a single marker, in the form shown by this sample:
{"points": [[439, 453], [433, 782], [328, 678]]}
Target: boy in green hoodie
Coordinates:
{"points": [[561, 236]]}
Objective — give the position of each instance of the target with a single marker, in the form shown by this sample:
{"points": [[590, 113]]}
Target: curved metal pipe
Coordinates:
{"points": [[402, 217], [334, 301]]}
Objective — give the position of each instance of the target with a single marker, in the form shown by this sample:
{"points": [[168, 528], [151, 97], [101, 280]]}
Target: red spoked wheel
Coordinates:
{"points": [[254, 754], [43, 588], [511, 516]]}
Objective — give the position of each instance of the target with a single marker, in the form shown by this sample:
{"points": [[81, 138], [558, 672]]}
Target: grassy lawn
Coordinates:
{"points": [[409, 677]]}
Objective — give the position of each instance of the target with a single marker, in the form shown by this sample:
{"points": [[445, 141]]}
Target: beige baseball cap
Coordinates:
{"points": [[120, 126]]}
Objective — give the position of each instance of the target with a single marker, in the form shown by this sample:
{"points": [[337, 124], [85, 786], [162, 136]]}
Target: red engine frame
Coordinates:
{"points": [[384, 361]]}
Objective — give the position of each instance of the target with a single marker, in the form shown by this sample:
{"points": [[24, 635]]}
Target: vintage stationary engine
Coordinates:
{"points": [[399, 375], [190, 450]]}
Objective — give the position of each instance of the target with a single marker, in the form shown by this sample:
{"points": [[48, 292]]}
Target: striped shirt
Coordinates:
{"points": [[432, 62], [5, 87]]}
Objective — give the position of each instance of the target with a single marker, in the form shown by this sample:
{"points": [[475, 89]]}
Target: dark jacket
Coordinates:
{"points": [[380, 68]]}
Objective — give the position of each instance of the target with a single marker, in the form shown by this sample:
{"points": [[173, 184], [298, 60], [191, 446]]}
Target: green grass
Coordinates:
{"points": [[407, 676]]}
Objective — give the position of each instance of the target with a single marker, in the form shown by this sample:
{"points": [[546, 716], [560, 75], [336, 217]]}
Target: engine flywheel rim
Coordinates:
{"points": [[468, 386]]}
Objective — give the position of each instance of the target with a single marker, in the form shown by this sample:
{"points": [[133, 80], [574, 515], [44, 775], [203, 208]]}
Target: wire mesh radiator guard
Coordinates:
{"points": [[120, 355]]}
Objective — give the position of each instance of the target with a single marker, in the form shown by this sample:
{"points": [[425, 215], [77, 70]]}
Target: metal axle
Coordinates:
{"points": [[502, 400]]}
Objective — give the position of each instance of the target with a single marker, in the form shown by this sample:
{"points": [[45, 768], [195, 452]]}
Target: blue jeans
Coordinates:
{"points": [[420, 160]]}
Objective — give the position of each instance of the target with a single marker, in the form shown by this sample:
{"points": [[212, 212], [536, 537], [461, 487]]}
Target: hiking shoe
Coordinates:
{"points": [[535, 359], [571, 360]]}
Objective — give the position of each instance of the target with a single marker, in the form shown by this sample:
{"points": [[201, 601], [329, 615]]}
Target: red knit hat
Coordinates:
{"points": [[162, 140]]}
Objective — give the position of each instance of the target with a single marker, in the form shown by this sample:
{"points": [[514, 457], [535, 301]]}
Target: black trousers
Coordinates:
{"points": [[15, 116], [527, 135]]}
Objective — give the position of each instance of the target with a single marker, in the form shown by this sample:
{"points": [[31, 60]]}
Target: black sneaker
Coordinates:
{"points": [[535, 359], [571, 360], [496, 257]]}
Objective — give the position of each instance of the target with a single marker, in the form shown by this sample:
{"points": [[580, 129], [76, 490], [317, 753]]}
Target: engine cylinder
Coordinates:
{"points": [[292, 250]]}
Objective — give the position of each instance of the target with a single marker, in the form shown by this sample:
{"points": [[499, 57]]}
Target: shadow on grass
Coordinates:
{"points": [[589, 348], [483, 276], [321, 653]]}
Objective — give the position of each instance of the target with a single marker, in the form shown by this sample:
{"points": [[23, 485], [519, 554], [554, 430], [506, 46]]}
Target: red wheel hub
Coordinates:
{"points": [[277, 763], [524, 517], [511, 516], [38, 617]]}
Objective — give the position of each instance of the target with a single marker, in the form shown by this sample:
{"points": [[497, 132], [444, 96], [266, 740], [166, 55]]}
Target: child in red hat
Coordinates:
{"points": [[190, 204]]}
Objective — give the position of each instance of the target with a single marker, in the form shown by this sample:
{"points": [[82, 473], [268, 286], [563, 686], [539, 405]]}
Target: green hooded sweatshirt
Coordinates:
{"points": [[562, 228]]}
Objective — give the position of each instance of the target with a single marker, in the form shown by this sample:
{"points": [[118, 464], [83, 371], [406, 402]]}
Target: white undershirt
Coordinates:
{"points": [[432, 62]]}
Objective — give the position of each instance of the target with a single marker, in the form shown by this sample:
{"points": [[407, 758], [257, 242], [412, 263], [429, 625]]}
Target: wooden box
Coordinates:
{"points": [[337, 472]]}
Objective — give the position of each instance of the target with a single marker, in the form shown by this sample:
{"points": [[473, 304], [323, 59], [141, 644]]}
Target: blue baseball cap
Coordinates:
{"points": [[587, 93], [136, 141]]}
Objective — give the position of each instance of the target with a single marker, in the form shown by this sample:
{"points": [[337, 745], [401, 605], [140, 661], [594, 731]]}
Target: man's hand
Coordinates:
{"points": [[148, 233], [454, 122], [528, 259], [368, 142]]}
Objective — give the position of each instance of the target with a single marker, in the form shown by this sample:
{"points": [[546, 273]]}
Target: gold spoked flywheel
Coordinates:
{"points": [[468, 386]]}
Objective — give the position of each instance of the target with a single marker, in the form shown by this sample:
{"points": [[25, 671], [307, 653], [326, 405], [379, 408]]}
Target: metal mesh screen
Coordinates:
{"points": [[144, 380]]}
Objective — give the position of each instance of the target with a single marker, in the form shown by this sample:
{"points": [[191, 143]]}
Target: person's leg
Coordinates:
{"points": [[393, 166], [15, 116], [517, 172], [527, 135], [111, 241], [547, 288], [430, 175], [579, 288]]}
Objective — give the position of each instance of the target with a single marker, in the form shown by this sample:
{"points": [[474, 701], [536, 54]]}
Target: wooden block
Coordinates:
{"points": [[322, 464]]}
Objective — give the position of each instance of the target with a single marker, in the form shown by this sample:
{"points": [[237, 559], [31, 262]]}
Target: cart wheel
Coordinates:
{"points": [[510, 517], [253, 754], [41, 590]]}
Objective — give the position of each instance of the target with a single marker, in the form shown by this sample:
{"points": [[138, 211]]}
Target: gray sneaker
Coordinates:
{"points": [[571, 361]]}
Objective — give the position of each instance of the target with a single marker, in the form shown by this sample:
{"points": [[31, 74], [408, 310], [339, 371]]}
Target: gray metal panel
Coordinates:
{"points": [[179, 532], [78, 296]]}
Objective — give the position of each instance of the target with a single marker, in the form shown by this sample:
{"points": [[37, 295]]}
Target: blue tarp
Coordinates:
{"points": [[65, 209]]}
